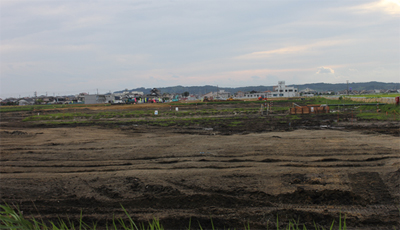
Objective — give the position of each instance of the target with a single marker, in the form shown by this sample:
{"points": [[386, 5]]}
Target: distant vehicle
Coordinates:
{"points": [[262, 98], [118, 102]]}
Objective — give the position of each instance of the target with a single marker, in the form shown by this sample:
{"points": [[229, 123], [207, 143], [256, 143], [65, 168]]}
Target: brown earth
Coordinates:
{"points": [[311, 169]]}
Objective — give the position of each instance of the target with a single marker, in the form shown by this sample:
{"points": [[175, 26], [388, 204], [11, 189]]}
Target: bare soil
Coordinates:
{"points": [[311, 169]]}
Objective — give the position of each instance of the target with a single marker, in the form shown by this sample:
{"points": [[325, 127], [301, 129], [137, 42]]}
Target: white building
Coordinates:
{"points": [[127, 92], [255, 95], [281, 90]]}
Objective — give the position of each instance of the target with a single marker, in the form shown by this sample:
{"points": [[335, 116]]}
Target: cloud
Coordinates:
{"points": [[391, 7], [256, 72], [325, 70], [293, 49], [53, 45]]}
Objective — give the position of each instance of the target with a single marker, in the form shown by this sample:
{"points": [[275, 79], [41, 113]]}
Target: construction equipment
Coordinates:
{"points": [[262, 98], [176, 98]]}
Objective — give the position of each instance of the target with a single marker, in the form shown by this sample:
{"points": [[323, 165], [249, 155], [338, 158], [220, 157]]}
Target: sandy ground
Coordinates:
{"points": [[235, 179]]}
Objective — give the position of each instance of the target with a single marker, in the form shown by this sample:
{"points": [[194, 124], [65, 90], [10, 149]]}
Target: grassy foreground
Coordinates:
{"points": [[14, 219]]}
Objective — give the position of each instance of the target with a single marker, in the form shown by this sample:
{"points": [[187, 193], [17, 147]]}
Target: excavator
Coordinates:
{"points": [[176, 98]]}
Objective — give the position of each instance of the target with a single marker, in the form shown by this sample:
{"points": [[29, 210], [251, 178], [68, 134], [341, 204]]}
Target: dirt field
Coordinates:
{"points": [[311, 169]]}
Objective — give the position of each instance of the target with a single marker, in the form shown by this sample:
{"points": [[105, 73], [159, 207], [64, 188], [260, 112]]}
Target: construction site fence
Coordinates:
{"points": [[385, 100], [309, 109]]}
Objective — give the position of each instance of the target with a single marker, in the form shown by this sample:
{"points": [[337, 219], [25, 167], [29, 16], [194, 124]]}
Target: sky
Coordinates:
{"points": [[67, 47]]}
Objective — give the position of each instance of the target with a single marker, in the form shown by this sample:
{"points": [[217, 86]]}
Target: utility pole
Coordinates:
{"points": [[97, 91], [347, 87]]}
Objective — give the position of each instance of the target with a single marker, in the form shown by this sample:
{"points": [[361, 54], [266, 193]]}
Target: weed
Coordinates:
{"points": [[14, 219], [235, 123]]}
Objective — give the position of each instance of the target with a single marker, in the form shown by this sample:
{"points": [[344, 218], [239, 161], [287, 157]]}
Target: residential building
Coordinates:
{"points": [[98, 98], [26, 101], [223, 94], [239, 94]]}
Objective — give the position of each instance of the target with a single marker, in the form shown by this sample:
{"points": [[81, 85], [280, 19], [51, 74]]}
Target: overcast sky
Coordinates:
{"points": [[67, 47]]}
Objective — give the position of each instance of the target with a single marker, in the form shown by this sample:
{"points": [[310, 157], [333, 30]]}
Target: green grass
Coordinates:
{"points": [[14, 219], [17, 108], [234, 102], [378, 95], [235, 123], [279, 109], [57, 116], [390, 108], [294, 117], [322, 100], [370, 112], [139, 113], [154, 122]]}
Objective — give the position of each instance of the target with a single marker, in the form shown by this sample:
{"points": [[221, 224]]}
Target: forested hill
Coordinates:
{"points": [[315, 86]]}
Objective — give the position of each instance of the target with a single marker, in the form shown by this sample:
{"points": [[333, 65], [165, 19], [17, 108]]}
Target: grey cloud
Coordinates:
{"points": [[325, 70], [187, 41]]}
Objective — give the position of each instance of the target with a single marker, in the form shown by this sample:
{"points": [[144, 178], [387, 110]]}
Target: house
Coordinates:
{"points": [[10, 101], [308, 91], [192, 98], [98, 98], [239, 94], [223, 94], [26, 101], [210, 95]]}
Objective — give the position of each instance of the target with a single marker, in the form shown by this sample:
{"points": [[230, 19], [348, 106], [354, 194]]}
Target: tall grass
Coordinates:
{"points": [[378, 95], [11, 218]]}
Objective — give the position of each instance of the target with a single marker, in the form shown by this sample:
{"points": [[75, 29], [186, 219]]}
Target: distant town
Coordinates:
{"points": [[157, 96]]}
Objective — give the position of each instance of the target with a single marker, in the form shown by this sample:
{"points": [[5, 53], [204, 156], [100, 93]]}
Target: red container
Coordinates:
{"points": [[397, 100]]}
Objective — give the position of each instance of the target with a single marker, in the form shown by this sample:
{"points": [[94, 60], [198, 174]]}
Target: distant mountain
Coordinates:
{"points": [[315, 86]]}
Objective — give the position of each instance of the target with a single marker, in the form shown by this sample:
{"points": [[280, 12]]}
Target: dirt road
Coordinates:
{"points": [[235, 179]]}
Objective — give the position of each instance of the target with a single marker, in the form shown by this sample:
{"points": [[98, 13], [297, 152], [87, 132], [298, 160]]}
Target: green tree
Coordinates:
{"points": [[185, 94]]}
